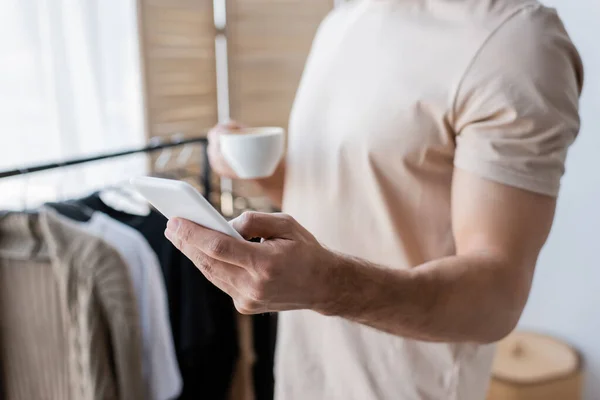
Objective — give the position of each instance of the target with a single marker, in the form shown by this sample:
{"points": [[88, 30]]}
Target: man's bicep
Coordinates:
{"points": [[499, 220], [516, 111]]}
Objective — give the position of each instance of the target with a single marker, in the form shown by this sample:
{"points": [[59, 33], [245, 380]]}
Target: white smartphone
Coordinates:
{"points": [[180, 199]]}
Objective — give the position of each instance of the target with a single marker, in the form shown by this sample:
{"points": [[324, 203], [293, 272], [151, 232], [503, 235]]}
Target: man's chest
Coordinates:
{"points": [[380, 92]]}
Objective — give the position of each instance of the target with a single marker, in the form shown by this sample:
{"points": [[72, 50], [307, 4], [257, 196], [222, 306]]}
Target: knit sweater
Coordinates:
{"points": [[68, 317]]}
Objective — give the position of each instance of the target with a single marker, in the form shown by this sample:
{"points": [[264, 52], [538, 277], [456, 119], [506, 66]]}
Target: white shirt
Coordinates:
{"points": [[160, 362]]}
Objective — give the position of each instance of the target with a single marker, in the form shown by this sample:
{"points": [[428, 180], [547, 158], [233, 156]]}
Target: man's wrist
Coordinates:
{"points": [[359, 290], [339, 284], [272, 186]]}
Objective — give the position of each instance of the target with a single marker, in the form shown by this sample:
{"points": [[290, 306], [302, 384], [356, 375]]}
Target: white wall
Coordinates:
{"points": [[565, 299]]}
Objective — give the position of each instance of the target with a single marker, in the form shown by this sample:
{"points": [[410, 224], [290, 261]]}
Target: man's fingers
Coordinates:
{"points": [[253, 224], [218, 162], [230, 126], [212, 243], [215, 156], [225, 276], [233, 280]]}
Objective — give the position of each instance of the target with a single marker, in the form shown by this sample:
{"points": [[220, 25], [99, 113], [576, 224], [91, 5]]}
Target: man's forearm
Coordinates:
{"points": [[273, 185], [459, 298]]}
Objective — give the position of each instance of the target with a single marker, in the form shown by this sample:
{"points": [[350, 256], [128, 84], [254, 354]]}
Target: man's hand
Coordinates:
{"points": [[286, 271], [272, 186], [218, 164], [474, 295]]}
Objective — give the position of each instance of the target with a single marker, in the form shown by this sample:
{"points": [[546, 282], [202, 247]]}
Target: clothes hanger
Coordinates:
{"points": [[69, 208], [72, 210], [161, 163], [25, 191], [183, 158], [122, 197], [182, 170]]}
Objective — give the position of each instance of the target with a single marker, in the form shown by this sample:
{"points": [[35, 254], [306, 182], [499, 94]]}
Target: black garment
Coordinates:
{"points": [[202, 316], [72, 210], [264, 333]]}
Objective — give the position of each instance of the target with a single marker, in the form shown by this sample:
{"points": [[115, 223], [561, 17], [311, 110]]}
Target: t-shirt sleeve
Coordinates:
{"points": [[516, 108]]}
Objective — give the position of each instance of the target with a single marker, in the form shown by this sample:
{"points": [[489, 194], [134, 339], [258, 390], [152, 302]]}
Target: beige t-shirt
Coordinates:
{"points": [[395, 94]]}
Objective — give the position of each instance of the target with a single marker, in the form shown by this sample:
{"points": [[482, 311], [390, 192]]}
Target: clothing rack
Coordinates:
{"points": [[205, 178]]}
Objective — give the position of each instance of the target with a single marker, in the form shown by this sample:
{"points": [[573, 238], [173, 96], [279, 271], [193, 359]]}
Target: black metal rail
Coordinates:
{"points": [[206, 181]]}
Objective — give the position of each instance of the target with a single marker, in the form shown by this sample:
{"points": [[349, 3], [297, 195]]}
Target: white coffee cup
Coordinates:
{"points": [[253, 152]]}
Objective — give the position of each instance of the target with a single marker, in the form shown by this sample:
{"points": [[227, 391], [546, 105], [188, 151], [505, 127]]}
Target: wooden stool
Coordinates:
{"points": [[531, 366]]}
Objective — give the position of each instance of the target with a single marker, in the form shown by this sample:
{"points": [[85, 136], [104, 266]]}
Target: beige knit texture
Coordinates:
{"points": [[69, 323]]}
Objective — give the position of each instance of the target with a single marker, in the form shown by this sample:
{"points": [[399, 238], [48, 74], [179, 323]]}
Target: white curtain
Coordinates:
{"points": [[70, 86]]}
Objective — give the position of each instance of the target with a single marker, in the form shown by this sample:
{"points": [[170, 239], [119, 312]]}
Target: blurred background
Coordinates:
{"points": [[86, 77]]}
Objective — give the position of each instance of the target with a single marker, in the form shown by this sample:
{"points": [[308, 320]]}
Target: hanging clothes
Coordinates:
{"points": [[70, 325], [264, 335], [202, 316], [161, 371], [254, 378]]}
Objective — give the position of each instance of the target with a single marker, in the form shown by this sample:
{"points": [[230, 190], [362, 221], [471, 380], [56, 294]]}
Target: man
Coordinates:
{"points": [[426, 146]]}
